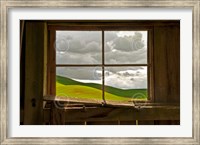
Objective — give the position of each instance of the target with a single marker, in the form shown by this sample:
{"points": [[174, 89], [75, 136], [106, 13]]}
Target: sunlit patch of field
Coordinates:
{"points": [[66, 87], [84, 92]]}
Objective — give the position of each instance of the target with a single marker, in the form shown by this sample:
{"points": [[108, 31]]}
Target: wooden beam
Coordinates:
{"points": [[108, 24], [67, 101], [114, 114]]}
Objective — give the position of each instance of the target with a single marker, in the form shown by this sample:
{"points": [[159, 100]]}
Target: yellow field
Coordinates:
{"points": [[85, 92]]}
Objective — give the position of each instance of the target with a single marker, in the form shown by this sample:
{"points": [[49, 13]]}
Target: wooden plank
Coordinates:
{"points": [[103, 123], [167, 64], [75, 123], [108, 24], [114, 114], [45, 70], [57, 116], [150, 66], [145, 122], [67, 101], [128, 122], [99, 28], [167, 122], [33, 105], [173, 61], [160, 80], [51, 63]]}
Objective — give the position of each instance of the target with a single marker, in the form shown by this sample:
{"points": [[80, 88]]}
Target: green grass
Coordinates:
{"points": [[84, 92], [71, 88]]}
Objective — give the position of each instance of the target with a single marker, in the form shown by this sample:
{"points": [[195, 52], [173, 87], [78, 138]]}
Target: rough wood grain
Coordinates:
{"points": [[107, 24], [33, 110], [102, 123], [167, 64], [51, 68], [128, 122], [145, 122], [114, 114], [57, 116]]}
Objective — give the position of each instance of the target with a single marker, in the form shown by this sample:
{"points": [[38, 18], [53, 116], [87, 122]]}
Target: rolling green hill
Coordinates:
{"points": [[85, 92], [91, 90]]}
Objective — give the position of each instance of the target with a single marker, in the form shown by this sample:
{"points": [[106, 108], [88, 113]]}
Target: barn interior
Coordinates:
{"points": [[40, 104]]}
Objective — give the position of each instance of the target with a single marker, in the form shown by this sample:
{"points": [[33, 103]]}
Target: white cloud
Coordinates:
{"points": [[129, 79], [78, 58], [122, 57], [87, 46], [82, 73], [120, 77]]}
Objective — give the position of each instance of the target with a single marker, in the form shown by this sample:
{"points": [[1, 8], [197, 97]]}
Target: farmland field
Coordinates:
{"points": [[67, 87]]}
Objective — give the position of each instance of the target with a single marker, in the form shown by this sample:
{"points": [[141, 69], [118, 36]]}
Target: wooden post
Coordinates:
{"points": [[57, 115], [34, 58]]}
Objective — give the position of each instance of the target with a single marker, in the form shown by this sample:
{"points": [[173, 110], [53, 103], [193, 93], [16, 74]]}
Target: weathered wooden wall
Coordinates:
{"points": [[166, 58], [167, 67], [34, 58], [167, 64]]}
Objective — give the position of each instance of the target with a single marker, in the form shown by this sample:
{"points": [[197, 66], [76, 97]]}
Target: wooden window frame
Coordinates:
{"points": [[98, 26]]}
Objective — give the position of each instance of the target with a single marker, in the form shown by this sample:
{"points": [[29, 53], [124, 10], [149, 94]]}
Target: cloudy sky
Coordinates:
{"points": [[121, 47]]}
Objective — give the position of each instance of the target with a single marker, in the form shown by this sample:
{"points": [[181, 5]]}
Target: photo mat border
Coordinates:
{"points": [[6, 4]]}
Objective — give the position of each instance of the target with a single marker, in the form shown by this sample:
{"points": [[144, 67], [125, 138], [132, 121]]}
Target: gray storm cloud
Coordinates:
{"points": [[84, 47]]}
